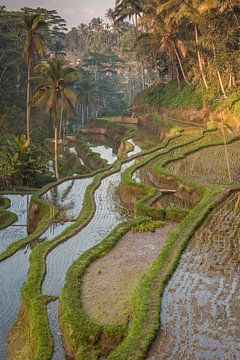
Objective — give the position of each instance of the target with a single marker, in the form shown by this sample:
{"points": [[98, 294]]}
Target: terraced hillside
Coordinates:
{"points": [[176, 203]]}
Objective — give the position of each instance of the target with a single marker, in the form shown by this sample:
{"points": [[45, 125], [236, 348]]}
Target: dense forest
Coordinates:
{"points": [[95, 74], [100, 67]]}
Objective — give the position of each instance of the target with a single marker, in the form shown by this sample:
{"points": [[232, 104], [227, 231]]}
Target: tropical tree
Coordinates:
{"points": [[33, 46], [53, 91], [20, 161]]}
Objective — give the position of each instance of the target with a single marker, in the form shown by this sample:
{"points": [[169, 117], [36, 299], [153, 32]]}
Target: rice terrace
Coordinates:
{"points": [[120, 180]]}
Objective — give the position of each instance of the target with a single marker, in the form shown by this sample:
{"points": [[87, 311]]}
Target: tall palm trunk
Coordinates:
{"points": [[61, 118], [180, 64], [28, 103], [218, 72], [55, 143], [199, 58]]}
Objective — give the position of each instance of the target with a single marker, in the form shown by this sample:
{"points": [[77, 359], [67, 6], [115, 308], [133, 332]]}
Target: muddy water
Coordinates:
{"points": [[106, 217], [13, 272], [200, 314], [18, 230]]}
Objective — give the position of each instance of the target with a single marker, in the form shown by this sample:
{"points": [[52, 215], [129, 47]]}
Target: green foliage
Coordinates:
{"points": [[172, 96], [42, 225], [148, 226], [20, 162], [6, 218]]}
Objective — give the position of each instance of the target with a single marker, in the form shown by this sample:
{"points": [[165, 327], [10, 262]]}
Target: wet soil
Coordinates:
{"points": [[200, 313], [209, 166], [109, 281]]}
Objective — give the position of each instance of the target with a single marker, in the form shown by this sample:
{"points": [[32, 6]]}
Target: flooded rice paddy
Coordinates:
{"points": [[106, 217], [200, 306], [18, 230], [200, 313], [69, 196], [13, 272], [209, 165]]}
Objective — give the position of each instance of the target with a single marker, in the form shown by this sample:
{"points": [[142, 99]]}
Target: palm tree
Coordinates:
{"points": [[52, 90], [33, 46], [87, 94], [179, 9]]}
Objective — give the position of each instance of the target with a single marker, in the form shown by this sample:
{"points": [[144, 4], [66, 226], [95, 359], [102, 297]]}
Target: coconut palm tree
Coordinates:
{"points": [[178, 9], [33, 46], [52, 90]]}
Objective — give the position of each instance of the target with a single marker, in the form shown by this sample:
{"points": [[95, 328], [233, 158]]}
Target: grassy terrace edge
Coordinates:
{"points": [[45, 208], [33, 304], [72, 315], [147, 304]]}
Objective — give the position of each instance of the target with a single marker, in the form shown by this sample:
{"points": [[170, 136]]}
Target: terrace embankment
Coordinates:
{"points": [[115, 275], [200, 306]]}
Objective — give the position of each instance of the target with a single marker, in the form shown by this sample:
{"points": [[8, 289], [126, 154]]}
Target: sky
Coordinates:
{"points": [[73, 11]]}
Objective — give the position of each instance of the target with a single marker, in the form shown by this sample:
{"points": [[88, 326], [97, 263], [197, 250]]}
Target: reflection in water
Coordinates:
{"points": [[13, 273], [14, 270], [103, 140], [52, 309], [74, 151], [105, 152], [53, 230], [68, 198], [136, 149], [107, 216], [18, 230], [200, 308]]}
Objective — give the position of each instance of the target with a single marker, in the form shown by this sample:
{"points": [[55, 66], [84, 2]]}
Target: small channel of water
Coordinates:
{"points": [[107, 216]]}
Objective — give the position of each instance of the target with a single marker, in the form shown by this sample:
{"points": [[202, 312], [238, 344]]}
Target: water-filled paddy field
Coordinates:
{"points": [[200, 307], [199, 311]]}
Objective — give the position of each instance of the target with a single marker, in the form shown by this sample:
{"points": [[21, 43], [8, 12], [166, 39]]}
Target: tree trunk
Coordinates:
{"points": [[226, 152], [142, 75], [180, 64], [82, 111], [218, 72], [55, 143], [28, 103], [199, 58], [230, 80], [177, 73], [61, 120]]}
